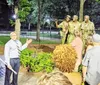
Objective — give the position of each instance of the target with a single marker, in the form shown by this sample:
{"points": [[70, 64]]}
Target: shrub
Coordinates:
{"points": [[36, 61], [80, 69]]}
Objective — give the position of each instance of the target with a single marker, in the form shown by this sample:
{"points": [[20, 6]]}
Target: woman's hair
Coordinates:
{"points": [[56, 78], [64, 57], [89, 40]]}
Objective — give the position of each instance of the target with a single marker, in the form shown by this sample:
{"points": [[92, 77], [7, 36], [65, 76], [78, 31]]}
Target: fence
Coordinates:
{"points": [[44, 35]]}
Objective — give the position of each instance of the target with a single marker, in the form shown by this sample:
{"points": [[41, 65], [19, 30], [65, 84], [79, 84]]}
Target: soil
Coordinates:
{"points": [[43, 47], [1, 50]]}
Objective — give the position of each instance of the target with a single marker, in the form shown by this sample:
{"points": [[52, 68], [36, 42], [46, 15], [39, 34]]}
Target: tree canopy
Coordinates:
{"points": [[24, 8], [56, 9]]}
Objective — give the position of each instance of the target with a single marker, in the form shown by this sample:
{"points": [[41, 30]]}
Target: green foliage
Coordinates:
{"points": [[43, 10], [1, 43], [28, 9], [25, 57], [12, 22], [3, 40], [97, 0], [24, 9], [36, 61], [80, 68], [10, 2]]}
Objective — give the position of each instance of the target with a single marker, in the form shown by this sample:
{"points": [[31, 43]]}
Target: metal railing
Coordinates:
{"points": [[44, 35]]}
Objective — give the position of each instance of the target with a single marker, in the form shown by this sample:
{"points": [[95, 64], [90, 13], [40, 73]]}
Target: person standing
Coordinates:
{"points": [[91, 63], [88, 29], [89, 43], [12, 53], [77, 44], [64, 26], [73, 25]]}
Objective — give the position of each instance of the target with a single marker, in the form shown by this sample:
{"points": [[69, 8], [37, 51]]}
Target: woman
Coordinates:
{"points": [[78, 44], [89, 43]]}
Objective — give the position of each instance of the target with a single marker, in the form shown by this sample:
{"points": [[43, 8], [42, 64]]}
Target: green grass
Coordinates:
{"points": [[45, 35], [4, 39], [45, 42]]}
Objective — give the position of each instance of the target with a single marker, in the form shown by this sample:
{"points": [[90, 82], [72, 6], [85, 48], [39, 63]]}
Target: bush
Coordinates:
{"points": [[36, 61], [80, 69]]}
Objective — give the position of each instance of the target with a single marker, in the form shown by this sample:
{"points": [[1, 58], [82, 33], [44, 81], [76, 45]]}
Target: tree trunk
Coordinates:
{"points": [[29, 26], [39, 21], [17, 24], [81, 10]]}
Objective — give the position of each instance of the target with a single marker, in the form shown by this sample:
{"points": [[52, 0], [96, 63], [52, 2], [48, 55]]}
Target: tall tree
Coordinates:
{"points": [[17, 23], [39, 21], [22, 10], [38, 13], [81, 10]]}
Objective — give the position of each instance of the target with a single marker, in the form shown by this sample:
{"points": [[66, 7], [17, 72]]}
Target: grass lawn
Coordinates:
{"points": [[4, 39], [45, 35]]}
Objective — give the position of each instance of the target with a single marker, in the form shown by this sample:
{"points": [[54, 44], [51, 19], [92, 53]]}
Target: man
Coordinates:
{"points": [[12, 53], [87, 28], [73, 25], [77, 45], [64, 26], [91, 63]]}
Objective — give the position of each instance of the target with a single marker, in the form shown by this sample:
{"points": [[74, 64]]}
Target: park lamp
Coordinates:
{"points": [[14, 16], [48, 20]]}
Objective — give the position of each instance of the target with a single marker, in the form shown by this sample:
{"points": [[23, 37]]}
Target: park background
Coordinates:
{"points": [[36, 19]]}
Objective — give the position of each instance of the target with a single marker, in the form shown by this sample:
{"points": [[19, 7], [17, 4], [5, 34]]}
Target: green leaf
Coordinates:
{"points": [[41, 62], [12, 22]]}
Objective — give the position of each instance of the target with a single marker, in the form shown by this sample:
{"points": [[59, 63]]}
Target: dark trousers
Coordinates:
{"points": [[86, 83], [66, 37], [15, 63]]}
